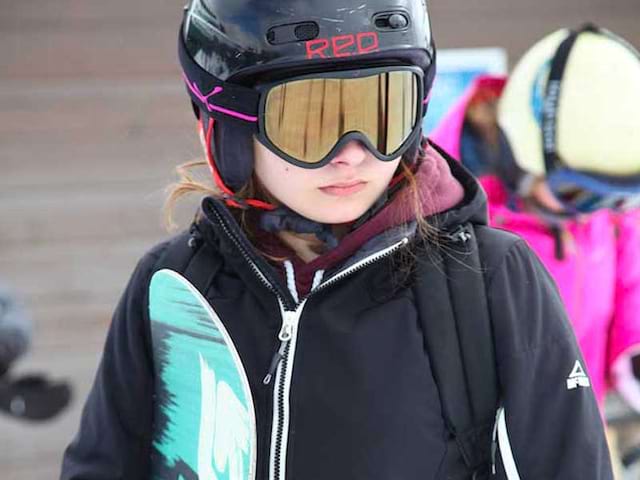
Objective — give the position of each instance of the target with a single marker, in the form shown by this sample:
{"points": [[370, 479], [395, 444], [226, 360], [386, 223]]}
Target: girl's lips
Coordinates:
{"points": [[344, 189]]}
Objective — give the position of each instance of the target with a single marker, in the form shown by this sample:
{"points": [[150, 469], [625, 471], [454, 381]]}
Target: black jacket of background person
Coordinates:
{"points": [[362, 401]]}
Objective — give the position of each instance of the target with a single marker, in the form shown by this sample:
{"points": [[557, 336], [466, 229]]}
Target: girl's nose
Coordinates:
{"points": [[352, 154]]}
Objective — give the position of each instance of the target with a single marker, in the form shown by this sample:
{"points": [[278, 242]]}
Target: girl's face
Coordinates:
{"points": [[339, 192]]}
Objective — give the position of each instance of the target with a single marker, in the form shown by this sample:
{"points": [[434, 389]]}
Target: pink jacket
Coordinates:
{"points": [[599, 278]]}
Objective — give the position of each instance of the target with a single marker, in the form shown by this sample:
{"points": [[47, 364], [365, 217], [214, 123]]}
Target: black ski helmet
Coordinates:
{"points": [[226, 46]]}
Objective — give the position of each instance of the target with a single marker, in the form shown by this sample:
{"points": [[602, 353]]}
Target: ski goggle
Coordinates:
{"points": [[582, 193], [307, 120]]}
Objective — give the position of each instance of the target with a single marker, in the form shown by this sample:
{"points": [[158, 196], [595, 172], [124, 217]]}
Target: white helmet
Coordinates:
{"points": [[573, 102]]}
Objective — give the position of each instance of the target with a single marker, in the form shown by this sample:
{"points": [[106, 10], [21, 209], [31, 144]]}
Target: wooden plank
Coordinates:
{"points": [[148, 157], [579, 9], [518, 25], [126, 52], [101, 132], [90, 108], [92, 274], [82, 214], [74, 217], [59, 326], [92, 13]]}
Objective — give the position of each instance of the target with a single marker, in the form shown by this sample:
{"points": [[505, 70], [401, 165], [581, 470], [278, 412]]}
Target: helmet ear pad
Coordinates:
{"points": [[232, 147]]}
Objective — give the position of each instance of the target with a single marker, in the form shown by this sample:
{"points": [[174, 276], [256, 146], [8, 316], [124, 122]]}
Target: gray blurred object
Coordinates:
{"points": [[625, 423], [15, 329], [31, 397]]}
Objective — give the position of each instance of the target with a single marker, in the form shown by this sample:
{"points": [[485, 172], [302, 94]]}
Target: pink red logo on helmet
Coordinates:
{"points": [[343, 45]]}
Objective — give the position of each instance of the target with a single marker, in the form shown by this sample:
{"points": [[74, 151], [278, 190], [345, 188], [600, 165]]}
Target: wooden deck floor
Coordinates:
{"points": [[93, 118]]}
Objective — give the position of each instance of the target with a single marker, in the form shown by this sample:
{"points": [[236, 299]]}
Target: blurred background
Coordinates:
{"points": [[93, 119]]}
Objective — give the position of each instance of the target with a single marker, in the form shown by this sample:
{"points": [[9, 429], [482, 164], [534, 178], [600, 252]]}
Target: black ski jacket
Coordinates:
{"points": [[240, 378]]}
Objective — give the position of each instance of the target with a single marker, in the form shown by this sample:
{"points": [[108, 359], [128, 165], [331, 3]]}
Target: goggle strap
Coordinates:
{"points": [[552, 101], [226, 101]]}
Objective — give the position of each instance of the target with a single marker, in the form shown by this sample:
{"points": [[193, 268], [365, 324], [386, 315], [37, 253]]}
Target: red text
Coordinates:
{"points": [[343, 45]]}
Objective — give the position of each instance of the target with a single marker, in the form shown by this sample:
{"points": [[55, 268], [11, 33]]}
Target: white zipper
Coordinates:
{"points": [[288, 337], [363, 263], [280, 424], [283, 360], [501, 434]]}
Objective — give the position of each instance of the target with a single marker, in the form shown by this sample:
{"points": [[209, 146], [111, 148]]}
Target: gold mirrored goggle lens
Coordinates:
{"points": [[306, 118]]}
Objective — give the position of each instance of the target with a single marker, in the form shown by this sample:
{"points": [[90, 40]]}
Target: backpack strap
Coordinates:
{"points": [[189, 255], [459, 342]]}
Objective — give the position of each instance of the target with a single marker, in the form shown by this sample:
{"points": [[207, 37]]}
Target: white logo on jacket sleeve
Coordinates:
{"points": [[578, 378]]}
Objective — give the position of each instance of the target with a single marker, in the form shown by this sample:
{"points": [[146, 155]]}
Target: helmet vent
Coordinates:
{"points": [[391, 20], [307, 31], [295, 32]]}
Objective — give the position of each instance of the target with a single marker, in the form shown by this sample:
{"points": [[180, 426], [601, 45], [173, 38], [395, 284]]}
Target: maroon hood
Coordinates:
{"points": [[439, 191]]}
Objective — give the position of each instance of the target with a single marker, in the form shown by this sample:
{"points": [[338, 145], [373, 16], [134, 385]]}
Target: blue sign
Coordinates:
{"points": [[457, 69]]}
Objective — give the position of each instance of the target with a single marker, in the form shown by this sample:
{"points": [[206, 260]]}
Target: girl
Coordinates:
{"points": [[325, 316], [559, 206]]}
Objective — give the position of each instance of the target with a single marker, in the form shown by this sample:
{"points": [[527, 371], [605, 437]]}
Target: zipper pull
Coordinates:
{"points": [[460, 235], [288, 322], [195, 237], [275, 361], [285, 335]]}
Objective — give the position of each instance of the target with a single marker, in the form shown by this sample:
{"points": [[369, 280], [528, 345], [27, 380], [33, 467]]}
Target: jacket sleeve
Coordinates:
{"points": [[114, 438], [624, 336], [549, 426]]}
